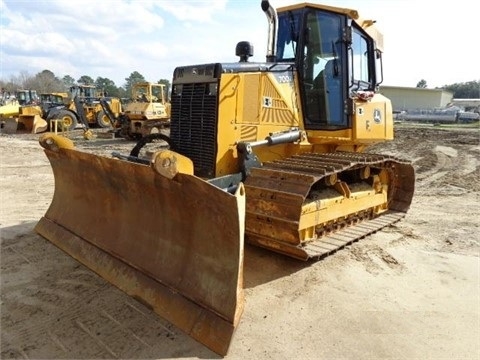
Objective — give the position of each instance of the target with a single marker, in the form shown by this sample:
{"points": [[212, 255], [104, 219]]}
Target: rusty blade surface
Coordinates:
{"points": [[176, 245]]}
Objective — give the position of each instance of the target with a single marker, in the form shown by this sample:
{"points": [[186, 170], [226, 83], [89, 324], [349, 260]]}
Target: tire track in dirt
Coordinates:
{"points": [[439, 168]]}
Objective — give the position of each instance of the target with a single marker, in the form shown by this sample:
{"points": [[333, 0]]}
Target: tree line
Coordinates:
{"points": [[466, 90], [46, 82]]}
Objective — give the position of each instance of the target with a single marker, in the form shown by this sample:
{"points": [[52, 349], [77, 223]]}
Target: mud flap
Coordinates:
{"points": [[174, 244]]}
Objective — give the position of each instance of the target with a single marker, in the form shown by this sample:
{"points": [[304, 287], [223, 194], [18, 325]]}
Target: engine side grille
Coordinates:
{"points": [[193, 126]]}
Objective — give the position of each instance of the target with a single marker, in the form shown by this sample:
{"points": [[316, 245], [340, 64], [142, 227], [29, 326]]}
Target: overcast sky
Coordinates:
{"points": [[113, 38]]}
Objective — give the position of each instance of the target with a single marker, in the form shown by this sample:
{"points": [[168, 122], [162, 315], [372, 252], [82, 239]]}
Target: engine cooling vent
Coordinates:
{"points": [[193, 127]]}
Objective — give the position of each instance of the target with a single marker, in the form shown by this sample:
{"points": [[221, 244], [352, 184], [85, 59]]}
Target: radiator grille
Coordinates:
{"points": [[193, 126]]}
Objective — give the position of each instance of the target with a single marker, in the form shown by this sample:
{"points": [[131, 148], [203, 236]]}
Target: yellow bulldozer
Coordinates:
{"points": [[9, 105], [271, 153], [35, 118], [147, 113], [10, 112]]}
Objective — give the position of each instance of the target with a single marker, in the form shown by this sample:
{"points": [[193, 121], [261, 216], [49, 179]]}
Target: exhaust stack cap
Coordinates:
{"points": [[244, 50], [265, 5]]}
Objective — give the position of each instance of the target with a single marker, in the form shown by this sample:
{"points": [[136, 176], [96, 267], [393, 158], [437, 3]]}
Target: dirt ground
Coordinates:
{"points": [[411, 291]]}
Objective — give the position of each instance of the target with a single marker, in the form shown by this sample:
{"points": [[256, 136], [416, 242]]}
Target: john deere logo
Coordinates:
{"points": [[377, 116]]}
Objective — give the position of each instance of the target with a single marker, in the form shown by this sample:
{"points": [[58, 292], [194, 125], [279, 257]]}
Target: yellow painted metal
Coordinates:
{"points": [[149, 109], [11, 109], [373, 120], [174, 243], [366, 24], [332, 208], [55, 142], [33, 123], [88, 134], [353, 14], [30, 119], [24, 124], [56, 125], [169, 163], [177, 241], [250, 120]]}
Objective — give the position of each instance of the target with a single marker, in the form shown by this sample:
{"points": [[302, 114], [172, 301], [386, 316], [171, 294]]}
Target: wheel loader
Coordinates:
{"points": [[89, 99], [270, 153]]}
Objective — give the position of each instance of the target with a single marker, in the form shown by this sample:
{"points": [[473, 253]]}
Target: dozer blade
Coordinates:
{"points": [[29, 124], [175, 244]]}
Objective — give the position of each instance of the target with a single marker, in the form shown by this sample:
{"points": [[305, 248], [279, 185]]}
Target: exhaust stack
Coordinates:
{"points": [[272, 30]]}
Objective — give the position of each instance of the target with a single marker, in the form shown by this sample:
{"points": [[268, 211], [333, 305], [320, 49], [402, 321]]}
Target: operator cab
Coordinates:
{"points": [[335, 58], [84, 92], [26, 97]]}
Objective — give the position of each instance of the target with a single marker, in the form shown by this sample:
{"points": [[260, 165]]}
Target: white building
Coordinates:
{"points": [[415, 99]]}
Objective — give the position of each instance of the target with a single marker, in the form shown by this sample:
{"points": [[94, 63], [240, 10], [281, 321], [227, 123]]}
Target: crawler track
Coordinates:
{"points": [[310, 205]]}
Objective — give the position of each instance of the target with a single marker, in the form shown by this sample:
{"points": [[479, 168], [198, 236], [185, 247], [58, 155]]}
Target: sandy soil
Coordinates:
{"points": [[411, 291]]}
